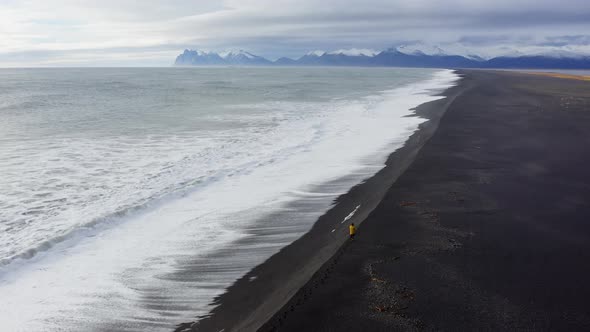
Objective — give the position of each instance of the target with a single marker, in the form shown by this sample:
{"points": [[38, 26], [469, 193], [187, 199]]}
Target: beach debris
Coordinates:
{"points": [[378, 280], [381, 308], [407, 203]]}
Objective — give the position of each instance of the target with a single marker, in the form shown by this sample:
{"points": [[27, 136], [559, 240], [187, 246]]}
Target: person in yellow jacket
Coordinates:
{"points": [[352, 231]]}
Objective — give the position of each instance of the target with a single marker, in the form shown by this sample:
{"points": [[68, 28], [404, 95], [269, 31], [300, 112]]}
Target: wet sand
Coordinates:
{"points": [[487, 230]]}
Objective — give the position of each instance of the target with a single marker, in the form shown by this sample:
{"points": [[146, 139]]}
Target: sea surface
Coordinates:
{"points": [[130, 198]]}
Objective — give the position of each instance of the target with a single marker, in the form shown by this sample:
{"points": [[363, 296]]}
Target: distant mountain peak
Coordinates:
{"points": [[316, 53], [421, 49], [231, 57], [356, 52], [415, 55], [237, 53], [197, 52]]}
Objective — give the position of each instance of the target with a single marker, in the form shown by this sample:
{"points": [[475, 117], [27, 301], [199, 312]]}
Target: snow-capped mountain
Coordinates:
{"points": [[316, 53], [421, 49], [199, 58], [436, 50], [416, 55], [356, 52], [242, 57], [352, 57], [202, 58]]}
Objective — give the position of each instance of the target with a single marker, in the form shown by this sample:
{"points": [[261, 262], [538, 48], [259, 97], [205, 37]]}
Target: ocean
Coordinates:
{"points": [[131, 198]]}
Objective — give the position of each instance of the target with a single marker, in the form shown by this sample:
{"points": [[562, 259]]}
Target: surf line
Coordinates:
{"points": [[350, 214]]}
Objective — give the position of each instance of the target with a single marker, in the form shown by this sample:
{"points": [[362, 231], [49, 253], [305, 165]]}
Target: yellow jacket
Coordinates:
{"points": [[352, 229]]}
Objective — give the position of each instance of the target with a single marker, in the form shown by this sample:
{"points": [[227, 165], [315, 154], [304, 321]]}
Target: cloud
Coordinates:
{"points": [[567, 40], [492, 40], [85, 32]]}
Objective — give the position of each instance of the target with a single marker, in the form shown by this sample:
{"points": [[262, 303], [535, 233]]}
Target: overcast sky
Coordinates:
{"points": [[153, 32]]}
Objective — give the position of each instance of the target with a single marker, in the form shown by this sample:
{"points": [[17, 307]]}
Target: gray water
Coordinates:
{"points": [[113, 178]]}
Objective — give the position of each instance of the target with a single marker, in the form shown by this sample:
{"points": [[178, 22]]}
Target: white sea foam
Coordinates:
{"points": [[119, 265]]}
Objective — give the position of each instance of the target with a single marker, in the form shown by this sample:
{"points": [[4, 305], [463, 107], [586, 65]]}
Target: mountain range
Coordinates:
{"points": [[393, 57]]}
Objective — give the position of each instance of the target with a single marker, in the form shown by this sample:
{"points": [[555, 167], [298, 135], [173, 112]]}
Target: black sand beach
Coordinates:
{"points": [[484, 226]]}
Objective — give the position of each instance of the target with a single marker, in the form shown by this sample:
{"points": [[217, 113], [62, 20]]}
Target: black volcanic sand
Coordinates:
{"points": [[257, 296], [487, 230]]}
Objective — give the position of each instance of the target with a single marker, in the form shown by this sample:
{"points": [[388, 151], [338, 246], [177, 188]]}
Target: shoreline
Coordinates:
{"points": [[253, 299], [486, 230]]}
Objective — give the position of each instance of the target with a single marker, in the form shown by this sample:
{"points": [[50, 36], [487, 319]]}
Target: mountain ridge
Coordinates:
{"points": [[392, 57]]}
